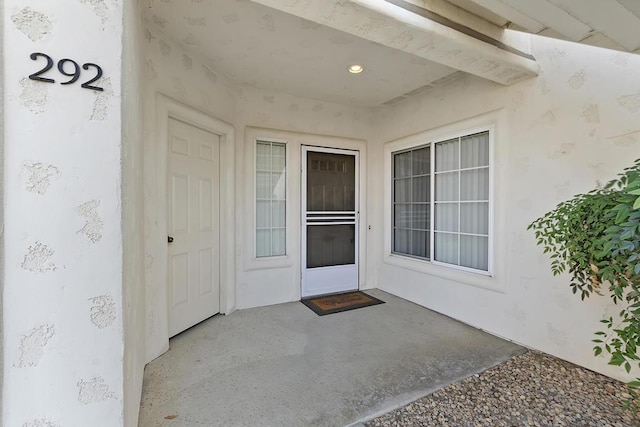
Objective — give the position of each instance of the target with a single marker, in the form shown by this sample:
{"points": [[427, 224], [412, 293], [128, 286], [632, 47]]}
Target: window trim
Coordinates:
{"points": [[431, 143], [495, 123], [254, 172]]}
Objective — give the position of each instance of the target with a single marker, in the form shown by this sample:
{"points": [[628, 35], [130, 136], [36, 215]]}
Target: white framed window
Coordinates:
{"points": [[271, 178], [441, 202]]}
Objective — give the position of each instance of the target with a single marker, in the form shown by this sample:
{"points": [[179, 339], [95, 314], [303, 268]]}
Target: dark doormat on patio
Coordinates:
{"points": [[329, 304]]}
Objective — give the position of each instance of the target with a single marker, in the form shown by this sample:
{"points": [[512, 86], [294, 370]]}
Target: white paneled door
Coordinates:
{"points": [[194, 229]]}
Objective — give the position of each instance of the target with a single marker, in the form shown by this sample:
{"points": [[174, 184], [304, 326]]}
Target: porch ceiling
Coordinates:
{"points": [[293, 47], [258, 46]]}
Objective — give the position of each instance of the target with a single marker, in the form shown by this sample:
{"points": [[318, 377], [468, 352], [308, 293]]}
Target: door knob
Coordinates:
{"points": [[170, 239]]}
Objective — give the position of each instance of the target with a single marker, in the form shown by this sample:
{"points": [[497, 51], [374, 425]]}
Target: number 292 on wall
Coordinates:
{"points": [[72, 70]]}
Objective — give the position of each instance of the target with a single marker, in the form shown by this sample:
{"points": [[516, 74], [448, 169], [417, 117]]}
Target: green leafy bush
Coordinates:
{"points": [[595, 237]]}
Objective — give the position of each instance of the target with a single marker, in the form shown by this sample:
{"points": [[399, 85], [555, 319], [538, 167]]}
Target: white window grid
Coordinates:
{"points": [[270, 228]]}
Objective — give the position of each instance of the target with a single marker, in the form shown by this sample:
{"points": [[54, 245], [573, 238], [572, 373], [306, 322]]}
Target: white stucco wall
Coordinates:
{"points": [[62, 297], [574, 126]]}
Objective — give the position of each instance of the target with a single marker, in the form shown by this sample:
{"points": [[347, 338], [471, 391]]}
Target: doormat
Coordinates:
{"points": [[329, 304]]}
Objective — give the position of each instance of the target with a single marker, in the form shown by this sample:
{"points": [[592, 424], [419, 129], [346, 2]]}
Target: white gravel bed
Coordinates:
{"points": [[531, 389]]}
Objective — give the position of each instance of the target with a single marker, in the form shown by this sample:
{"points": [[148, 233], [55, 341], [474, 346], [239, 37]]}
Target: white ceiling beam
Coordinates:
{"points": [[454, 13], [550, 32], [480, 11], [631, 5], [513, 15], [608, 17], [393, 26], [600, 40], [553, 17]]}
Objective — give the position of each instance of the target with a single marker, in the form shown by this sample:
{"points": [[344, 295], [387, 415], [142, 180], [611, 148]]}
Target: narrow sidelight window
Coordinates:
{"points": [[270, 198]]}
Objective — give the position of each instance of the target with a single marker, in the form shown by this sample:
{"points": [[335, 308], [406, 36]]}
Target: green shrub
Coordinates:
{"points": [[596, 238]]}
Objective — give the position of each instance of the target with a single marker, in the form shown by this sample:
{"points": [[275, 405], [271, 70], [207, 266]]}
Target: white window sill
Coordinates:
{"points": [[270, 262], [480, 279]]}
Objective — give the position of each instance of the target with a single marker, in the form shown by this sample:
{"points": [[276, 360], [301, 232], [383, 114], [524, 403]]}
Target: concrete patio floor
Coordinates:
{"points": [[285, 366]]}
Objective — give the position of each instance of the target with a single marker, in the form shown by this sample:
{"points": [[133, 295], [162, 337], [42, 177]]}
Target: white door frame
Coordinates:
{"points": [[303, 204], [155, 207]]}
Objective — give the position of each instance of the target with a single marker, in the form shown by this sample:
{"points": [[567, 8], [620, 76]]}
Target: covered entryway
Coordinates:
{"points": [[330, 220], [194, 225]]}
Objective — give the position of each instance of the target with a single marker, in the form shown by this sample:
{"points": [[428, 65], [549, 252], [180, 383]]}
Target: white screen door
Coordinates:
{"points": [[193, 219], [329, 220]]}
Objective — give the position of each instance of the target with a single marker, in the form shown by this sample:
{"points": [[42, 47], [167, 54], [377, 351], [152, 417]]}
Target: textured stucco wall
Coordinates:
{"points": [[574, 126], [62, 296]]}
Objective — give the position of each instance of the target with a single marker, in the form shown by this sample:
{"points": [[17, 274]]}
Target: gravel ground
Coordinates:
{"points": [[532, 389]]}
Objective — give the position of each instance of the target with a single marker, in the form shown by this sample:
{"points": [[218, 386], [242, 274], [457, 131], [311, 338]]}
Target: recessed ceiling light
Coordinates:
{"points": [[355, 69]]}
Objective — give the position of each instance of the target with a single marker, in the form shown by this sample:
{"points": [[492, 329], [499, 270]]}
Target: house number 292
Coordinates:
{"points": [[67, 67]]}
